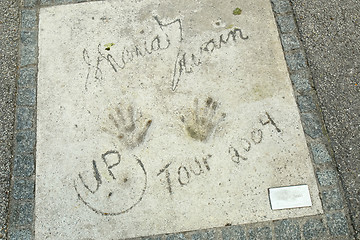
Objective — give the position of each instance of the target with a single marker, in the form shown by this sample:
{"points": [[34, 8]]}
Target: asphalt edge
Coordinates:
{"points": [[9, 38]]}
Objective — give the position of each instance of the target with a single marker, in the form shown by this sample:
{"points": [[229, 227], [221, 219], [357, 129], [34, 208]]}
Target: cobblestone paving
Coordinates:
{"points": [[333, 224]]}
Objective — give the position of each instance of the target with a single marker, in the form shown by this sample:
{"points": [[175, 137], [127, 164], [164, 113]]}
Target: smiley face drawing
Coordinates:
{"points": [[116, 185]]}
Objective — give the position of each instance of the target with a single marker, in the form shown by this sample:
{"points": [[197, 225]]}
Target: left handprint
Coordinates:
{"points": [[129, 129], [116, 185]]}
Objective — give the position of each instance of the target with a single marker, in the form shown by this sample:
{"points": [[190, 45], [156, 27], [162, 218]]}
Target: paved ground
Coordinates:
{"points": [[329, 31], [9, 38]]}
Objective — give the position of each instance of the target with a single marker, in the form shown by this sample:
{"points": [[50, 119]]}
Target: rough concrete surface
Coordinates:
{"points": [[330, 32], [224, 124], [9, 20]]}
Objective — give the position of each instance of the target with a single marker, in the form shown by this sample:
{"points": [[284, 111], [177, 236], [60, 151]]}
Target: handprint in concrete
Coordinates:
{"points": [[200, 123], [115, 185], [128, 127]]}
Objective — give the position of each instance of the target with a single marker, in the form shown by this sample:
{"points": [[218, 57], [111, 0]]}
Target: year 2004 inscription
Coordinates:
{"points": [[238, 152], [113, 183]]}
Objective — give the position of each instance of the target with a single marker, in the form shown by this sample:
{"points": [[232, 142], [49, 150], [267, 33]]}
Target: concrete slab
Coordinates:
{"points": [[158, 117]]}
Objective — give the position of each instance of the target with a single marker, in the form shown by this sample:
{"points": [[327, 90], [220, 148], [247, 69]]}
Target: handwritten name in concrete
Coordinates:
{"points": [[184, 63]]}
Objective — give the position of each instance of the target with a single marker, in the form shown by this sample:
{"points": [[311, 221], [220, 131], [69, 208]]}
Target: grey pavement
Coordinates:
{"points": [[9, 42], [329, 32]]}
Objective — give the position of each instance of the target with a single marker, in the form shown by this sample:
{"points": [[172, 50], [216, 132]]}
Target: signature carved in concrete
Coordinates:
{"points": [[185, 61], [201, 122], [128, 129]]}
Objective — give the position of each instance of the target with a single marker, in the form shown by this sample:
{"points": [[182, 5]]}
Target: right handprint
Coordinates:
{"points": [[200, 123], [128, 128]]}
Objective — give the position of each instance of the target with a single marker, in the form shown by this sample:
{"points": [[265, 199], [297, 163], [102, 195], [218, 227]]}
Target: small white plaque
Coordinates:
{"points": [[290, 197]]}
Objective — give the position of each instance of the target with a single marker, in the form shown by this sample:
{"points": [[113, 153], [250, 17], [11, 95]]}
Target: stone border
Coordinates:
{"points": [[22, 198], [334, 223]]}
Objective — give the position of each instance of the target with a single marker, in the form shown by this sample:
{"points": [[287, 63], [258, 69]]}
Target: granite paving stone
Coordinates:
{"points": [[23, 189], [23, 166], [301, 81], [179, 236], [312, 125], [295, 60], [28, 55], [26, 96], [46, 2], [202, 235], [25, 142], [332, 199], [28, 18], [233, 233], [337, 224], [287, 230], [152, 238], [314, 228], [320, 153], [28, 37], [327, 177], [21, 234], [306, 103], [263, 233], [286, 23], [24, 118], [29, 3], [63, 1], [27, 77], [281, 6], [22, 213], [290, 41]]}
